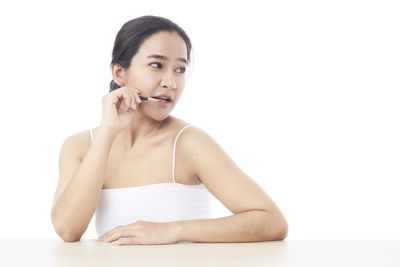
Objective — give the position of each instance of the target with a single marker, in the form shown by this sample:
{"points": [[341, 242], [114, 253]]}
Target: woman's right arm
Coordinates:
{"points": [[79, 186], [81, 181]]}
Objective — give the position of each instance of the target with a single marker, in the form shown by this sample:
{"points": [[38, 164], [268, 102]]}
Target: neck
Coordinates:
{"points": [[141, 128]]}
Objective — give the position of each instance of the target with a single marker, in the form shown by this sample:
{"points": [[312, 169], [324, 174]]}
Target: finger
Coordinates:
{"points": [[129, 99], [132, 104], [113, 237], [135, 93], [109, 233], [118, 99], [132, 90], [138, 100], [138, 93], [125, 98], [125, 241], [117, 235]]}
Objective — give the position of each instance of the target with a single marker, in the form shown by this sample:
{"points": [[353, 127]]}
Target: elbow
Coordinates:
{"points": [[66, 232], [283, 229], [69, 236], [282, 233], [277, 228]]}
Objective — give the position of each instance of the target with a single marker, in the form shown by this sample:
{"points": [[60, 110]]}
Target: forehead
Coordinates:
{"points": [[164, 43]]}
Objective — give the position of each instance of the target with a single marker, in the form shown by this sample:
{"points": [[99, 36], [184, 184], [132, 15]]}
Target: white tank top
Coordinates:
{"points": [[162, 202]]}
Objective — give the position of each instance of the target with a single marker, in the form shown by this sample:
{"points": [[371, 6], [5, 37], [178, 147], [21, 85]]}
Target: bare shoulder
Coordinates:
{"points": [[200, 149], [77, 143], [195, 137]]}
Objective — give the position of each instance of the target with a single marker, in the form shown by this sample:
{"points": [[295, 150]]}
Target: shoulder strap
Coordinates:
{"points": [[173, 155], [91, 135]]}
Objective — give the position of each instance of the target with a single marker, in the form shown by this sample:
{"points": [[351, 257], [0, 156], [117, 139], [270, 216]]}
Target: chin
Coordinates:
{"points": [[159, 117], [160, 114]]}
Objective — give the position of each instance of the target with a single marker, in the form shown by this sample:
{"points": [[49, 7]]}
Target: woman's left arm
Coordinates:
{"points": [[255, 216]]}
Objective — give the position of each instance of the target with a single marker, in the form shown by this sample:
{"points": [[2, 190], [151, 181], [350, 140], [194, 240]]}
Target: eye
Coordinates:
{"points": [[156, 63], [182, 70]]}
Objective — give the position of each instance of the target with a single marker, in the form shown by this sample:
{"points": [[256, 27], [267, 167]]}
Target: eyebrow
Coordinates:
{"points": [[166, 58]]}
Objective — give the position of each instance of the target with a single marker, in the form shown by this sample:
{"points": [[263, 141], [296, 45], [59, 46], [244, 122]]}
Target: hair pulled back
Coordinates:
{"points": [[134, 32]]}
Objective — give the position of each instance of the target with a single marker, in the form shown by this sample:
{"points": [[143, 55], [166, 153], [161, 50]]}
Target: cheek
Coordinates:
{"points": [[181, 81], [180, 87], [143, 78]]}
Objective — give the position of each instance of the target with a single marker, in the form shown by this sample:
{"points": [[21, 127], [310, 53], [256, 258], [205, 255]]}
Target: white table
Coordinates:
{"points": [[53, 252]]}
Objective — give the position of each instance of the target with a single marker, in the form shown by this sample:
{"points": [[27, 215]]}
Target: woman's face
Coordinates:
{"points": [[159, 67]]}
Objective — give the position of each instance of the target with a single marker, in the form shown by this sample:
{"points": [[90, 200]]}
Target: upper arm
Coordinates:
{"points": [[221, 176], [69, 162]]}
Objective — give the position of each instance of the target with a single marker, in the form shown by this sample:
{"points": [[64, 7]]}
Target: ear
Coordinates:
{"points": [[118, 74]]}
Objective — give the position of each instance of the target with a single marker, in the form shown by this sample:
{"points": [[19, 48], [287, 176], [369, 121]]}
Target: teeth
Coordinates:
{"points": [[164, 98]]}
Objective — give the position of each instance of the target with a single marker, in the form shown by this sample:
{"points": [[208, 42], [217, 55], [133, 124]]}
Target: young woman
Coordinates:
{"points": [[147, 175]]}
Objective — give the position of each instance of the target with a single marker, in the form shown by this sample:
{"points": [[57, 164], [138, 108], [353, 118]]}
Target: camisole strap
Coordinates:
{"points": [[173, 155], [91, 134]]}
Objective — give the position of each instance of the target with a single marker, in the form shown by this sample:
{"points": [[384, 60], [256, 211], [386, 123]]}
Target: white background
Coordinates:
{"points": [[303, 96]]}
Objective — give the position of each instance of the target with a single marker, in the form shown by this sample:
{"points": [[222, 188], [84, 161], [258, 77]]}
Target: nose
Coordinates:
{"points": [[168, 81]]}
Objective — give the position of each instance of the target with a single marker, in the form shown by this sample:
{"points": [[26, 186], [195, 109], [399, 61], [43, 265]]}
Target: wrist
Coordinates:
{"points": [[177, 230], [108, 131]]}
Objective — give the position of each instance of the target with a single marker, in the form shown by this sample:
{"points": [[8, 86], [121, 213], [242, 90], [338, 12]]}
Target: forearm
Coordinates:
{"points": [[249, 226], [74, 209]]}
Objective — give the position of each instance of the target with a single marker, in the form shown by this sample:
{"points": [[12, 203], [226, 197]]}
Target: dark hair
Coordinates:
{"points": [[132, 35]]}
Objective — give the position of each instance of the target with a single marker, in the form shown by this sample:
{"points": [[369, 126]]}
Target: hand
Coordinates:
{"points": [[119, 108], [143, 233]]}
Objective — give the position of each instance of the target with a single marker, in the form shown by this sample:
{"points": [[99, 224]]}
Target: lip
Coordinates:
{"points": [[163, 104], [164, 96]]}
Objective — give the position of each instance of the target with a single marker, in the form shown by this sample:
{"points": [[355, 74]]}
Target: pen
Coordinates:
{"points": [[152, 98]]}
